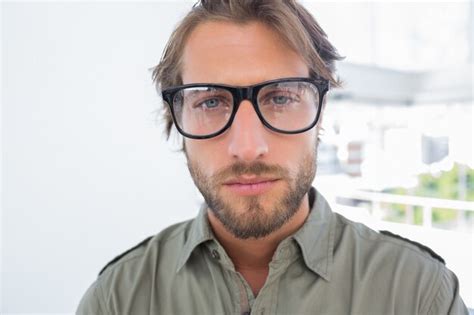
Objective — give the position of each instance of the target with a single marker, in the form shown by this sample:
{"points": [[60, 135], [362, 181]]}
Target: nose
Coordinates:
{"points": [[247, 135]]}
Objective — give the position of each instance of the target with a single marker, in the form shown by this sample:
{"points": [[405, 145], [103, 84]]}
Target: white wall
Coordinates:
{"points": [[86, 172]]}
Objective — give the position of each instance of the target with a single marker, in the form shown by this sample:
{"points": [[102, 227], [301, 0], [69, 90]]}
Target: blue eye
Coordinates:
{"points": [[211, 103], [280, 100]]}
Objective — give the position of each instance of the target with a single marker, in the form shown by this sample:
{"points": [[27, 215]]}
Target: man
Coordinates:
{"points": [[244, 82]]}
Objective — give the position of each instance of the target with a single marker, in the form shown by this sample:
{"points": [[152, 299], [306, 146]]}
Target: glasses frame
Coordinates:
{"points": [[241, 93]]}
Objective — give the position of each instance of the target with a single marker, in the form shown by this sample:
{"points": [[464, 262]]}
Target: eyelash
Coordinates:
{"points": [[201, 102]]}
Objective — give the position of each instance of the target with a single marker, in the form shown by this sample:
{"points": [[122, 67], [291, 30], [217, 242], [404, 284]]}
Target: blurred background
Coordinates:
{"points": [[87, 173]]}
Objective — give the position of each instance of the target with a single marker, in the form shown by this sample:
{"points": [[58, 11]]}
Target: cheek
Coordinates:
{"points": [[290, 151], [312, 138], [308, 147], [304, 143], [206, 157]]}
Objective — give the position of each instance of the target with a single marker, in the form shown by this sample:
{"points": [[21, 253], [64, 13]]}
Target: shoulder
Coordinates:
{"points": [[385, 243], [148, 248], [127, 278], [416, 273], [408, 273], [132, 252], [391, 236]]}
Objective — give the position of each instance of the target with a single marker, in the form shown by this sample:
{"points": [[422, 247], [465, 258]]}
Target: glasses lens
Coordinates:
{"points": [[289, 106], [202, 111]]}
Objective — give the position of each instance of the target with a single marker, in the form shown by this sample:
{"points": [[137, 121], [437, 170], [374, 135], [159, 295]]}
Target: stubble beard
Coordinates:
{"points": [[253, 221]]}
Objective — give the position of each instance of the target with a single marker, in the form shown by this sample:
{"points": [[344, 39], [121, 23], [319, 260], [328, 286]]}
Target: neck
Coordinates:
{"points": [[256, 254]]}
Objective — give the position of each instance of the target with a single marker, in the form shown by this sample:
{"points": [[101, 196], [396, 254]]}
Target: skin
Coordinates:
{"points": [[249, 227]]}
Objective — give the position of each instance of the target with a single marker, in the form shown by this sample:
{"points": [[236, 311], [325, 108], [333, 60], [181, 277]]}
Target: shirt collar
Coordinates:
{"points": [[315, 237], [199, 232]]}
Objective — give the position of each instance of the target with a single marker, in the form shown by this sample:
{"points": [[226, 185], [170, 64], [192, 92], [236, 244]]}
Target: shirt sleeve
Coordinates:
{"points": [[447, 300], [90, 303]]}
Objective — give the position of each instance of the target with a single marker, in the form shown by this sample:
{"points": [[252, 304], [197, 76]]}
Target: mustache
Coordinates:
{"points": [[255, 168]]}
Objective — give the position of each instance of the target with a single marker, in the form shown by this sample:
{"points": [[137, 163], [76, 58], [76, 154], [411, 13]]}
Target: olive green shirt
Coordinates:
{"points": [[329, 266]]}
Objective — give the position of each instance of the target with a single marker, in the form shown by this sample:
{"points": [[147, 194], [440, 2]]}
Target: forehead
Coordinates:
{"points": [[239, 54]]}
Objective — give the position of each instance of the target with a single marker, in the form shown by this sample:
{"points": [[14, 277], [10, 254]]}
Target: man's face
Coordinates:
{"points": [[246, 54]]}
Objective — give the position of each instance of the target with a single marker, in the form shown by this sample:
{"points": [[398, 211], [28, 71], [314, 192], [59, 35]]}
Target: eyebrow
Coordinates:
{"points": [[197, 90]]}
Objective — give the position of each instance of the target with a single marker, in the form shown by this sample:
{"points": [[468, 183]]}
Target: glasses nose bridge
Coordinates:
{"points": [[245, 94]]}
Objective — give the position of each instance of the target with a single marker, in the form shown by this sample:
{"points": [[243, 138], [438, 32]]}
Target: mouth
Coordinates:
{"points": [[253, 186]]}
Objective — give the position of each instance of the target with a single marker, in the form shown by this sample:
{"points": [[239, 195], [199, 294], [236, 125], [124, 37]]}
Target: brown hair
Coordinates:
{"points": [[290, 19]]}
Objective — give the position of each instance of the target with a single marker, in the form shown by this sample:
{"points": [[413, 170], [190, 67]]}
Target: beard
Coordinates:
{"points": [[247, 217]]}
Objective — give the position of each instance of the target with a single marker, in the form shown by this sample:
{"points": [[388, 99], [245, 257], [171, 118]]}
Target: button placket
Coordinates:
{"points": [[220, 257]]}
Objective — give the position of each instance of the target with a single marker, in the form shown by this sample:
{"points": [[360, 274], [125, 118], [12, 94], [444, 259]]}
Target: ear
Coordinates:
{"points": [[325, 98], [319, 126], [321, 115], [183, 149]]}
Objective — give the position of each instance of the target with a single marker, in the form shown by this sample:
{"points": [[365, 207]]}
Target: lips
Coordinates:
{"points": [[250, 186], [247, 181]]}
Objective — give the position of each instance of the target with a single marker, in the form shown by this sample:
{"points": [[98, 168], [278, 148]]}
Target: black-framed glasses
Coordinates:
{"points": [[288, 105]]}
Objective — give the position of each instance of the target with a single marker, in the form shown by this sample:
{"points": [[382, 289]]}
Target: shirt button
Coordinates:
{"points": [[215, 254]]}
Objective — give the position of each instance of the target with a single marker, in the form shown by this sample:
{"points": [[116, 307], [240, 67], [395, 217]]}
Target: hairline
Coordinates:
{"points": [[240, 22]]}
